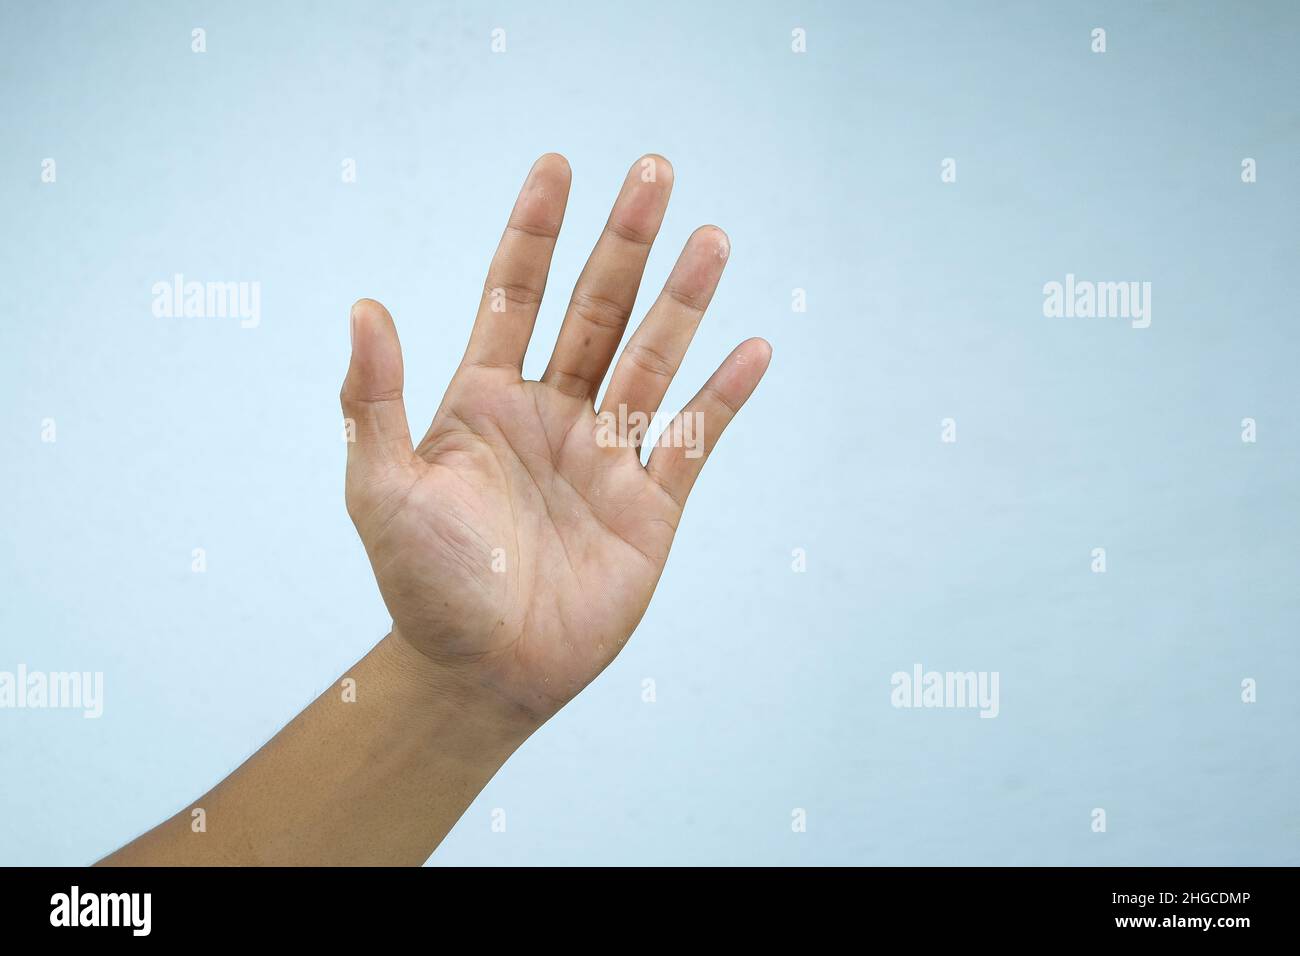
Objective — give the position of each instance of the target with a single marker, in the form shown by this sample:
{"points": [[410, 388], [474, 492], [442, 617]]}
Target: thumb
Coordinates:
{"points": [[374, 415]]}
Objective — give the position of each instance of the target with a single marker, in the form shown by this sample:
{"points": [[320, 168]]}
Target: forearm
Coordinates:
{"points": [[378, 780]]}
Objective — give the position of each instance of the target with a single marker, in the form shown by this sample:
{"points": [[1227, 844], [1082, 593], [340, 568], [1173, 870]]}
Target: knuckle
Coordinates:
{"points": [[599, 311], [513, 293], [650, 360]]}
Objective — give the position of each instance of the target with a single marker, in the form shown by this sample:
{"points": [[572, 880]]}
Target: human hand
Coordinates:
{"points": [[516, 546]]}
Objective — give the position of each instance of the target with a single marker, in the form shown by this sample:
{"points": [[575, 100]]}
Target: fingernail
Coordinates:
{"points": [[352, 325]]}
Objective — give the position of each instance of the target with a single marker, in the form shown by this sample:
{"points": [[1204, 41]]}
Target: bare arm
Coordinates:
{"points": [[516, 545], [372, 779]]}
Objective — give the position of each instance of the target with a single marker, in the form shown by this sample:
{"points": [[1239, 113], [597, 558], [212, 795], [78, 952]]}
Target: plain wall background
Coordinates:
{"points": [[1118, 690]]}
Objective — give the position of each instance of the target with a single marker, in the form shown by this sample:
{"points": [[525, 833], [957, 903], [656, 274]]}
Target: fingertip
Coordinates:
{"points": [[654, 171], [754, 351], [657, 164], [367, 310], [698, 269], [639, 209], [376, 353], [552, 165], [720, 242], [541, 202], [362, 305]]}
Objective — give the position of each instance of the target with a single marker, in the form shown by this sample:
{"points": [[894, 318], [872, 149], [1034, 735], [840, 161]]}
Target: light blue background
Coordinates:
{"points": [[1119, 691]]}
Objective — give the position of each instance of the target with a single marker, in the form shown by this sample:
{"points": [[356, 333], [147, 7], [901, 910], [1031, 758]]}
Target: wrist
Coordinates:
{"points": [[441, 694]]}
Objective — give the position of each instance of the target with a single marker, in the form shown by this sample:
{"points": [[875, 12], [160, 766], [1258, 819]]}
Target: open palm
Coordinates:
{"points": [[521, 540]]}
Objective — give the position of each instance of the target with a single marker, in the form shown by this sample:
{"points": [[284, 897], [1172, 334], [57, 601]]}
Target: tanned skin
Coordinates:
{"points": [[515, 548]]}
